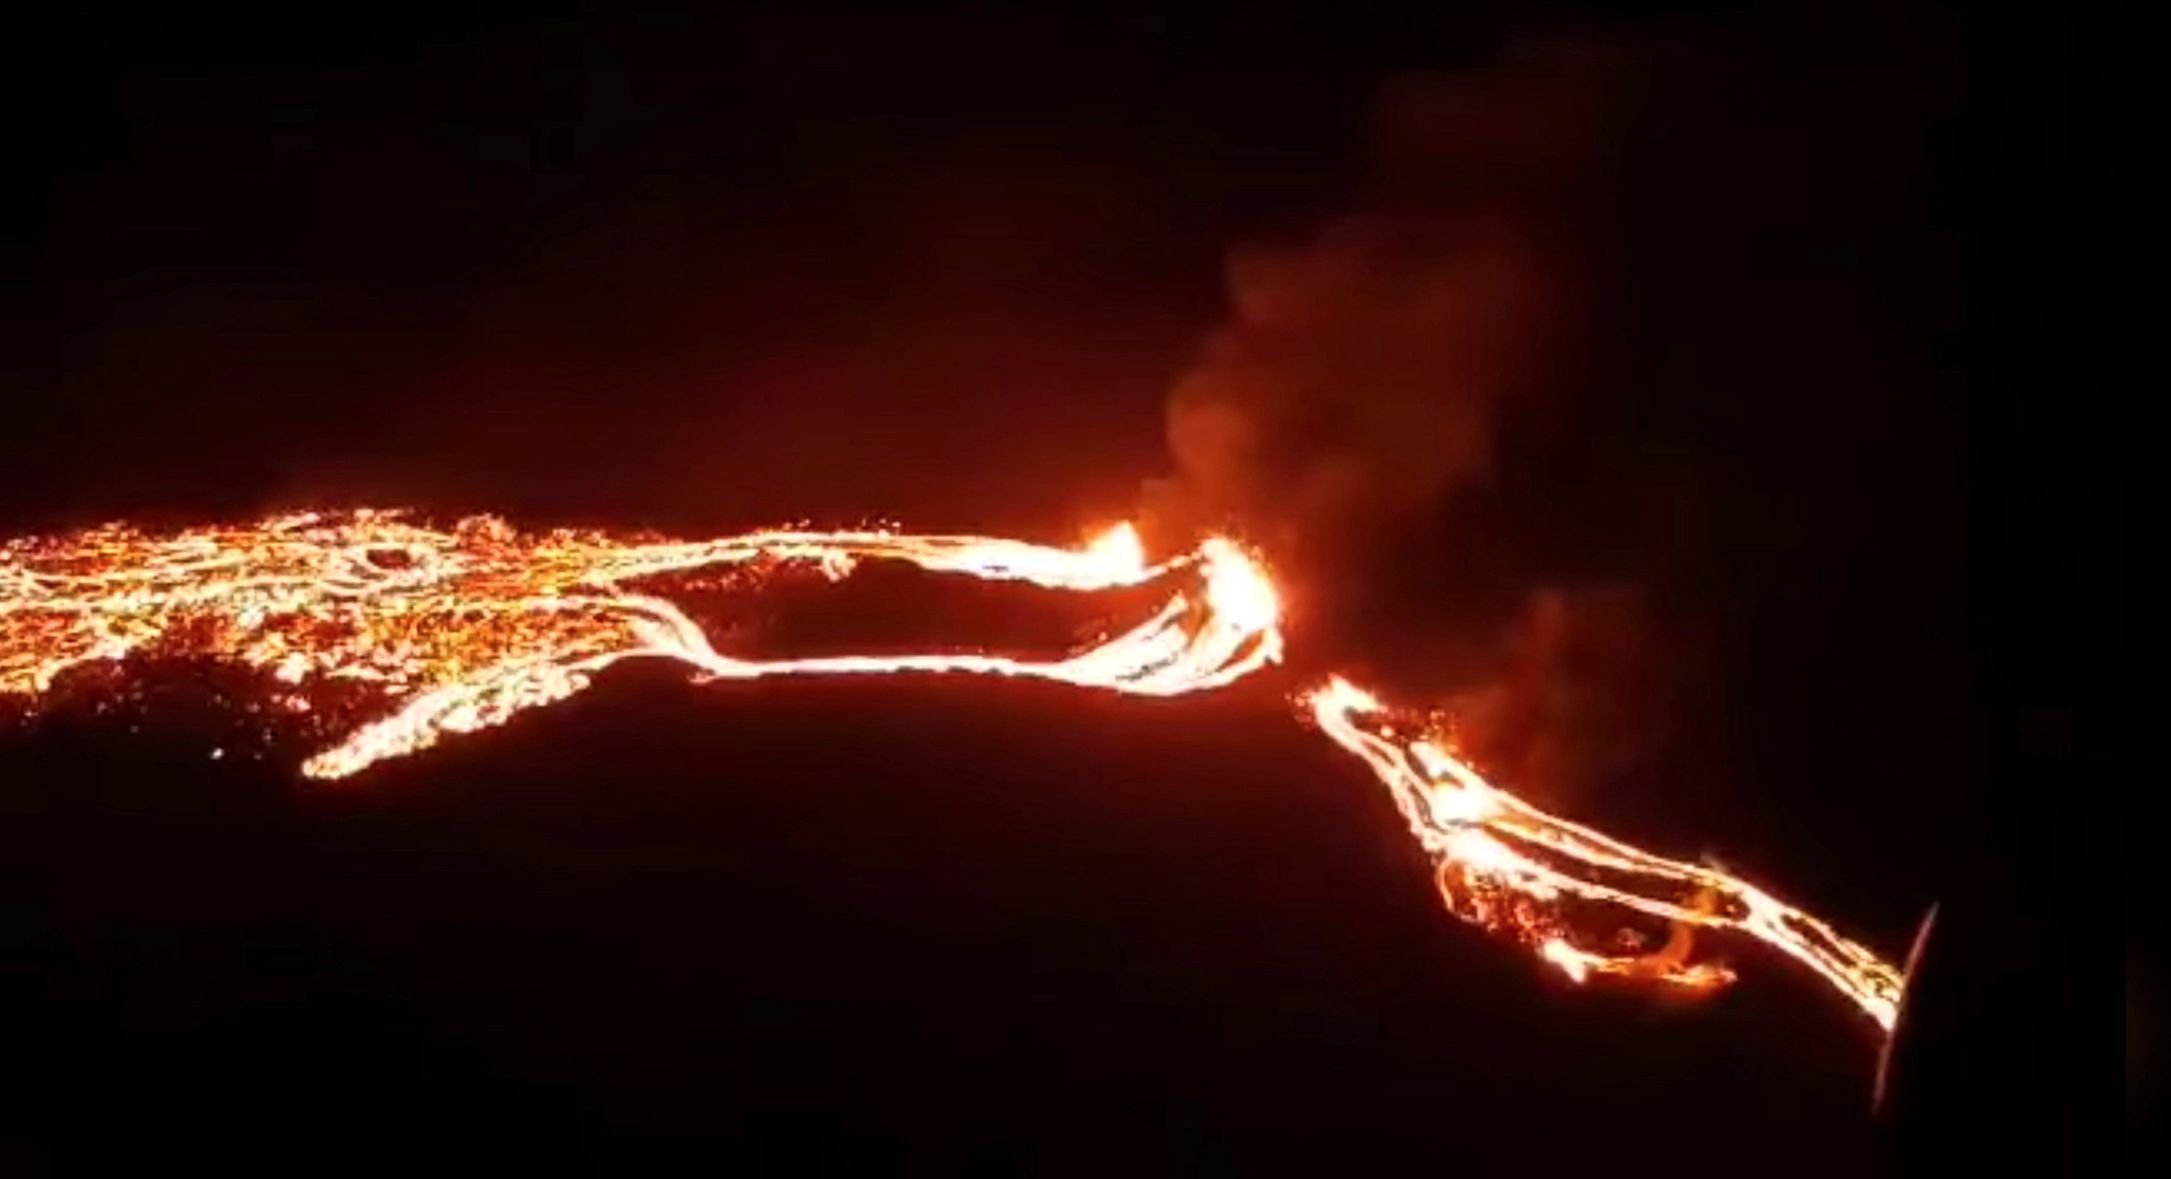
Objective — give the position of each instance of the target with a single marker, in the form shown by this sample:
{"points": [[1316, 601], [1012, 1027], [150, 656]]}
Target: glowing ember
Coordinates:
{"points": [[1509, 866], [460, 629]]}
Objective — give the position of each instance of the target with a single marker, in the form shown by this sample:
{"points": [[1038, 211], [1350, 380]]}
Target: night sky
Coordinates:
{"points": [[1759, 539]]}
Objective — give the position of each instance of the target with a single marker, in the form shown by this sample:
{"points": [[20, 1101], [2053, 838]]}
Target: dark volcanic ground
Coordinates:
{"points": [[965, 926]]}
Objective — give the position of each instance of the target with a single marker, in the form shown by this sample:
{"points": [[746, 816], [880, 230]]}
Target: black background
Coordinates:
{"points": [[698, 272]]}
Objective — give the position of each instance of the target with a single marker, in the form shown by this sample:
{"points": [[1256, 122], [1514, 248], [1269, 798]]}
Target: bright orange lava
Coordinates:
{"points": [[460, 629], [1509, 866], [455, 630]]}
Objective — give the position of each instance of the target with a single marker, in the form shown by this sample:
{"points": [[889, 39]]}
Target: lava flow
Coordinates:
{"points": [[1506, 865], [455, 630], [460, 629]]}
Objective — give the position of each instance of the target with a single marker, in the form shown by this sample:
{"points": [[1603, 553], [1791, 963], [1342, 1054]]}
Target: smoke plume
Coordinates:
{"points": [[1362, 368], [1351, 414]]}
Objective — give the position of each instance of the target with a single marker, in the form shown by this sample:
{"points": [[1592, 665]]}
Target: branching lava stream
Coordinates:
{"points": [[455, 630]]}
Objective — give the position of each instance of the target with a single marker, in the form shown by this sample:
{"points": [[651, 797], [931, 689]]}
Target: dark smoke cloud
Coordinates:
{"points": [[1362, 369], [1351, 412], [1609, 413], [1583, 683]]}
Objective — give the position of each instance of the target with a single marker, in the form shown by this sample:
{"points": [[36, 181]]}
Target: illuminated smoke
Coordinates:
{"points": [[1362, 369], [1358, 410]]}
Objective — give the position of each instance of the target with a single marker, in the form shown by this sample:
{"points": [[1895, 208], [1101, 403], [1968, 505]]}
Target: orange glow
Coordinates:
{"points": [[460, 629], [454, 630], [1508, 866]]}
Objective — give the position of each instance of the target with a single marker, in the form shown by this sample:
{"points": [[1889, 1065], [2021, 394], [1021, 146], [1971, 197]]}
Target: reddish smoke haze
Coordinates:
{"points": [[1359, 388]]}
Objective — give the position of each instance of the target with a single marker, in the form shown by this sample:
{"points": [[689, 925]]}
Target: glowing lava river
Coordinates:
{"points": [[454, 630]]}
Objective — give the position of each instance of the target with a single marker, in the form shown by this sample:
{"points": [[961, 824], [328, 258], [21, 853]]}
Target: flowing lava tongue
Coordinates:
{"points": [[458, 630], [1506, 865]]}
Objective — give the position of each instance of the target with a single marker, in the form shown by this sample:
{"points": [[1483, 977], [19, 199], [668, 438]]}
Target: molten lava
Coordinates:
{"points": [[1509, 866], [455, 630], [460, 629]]}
